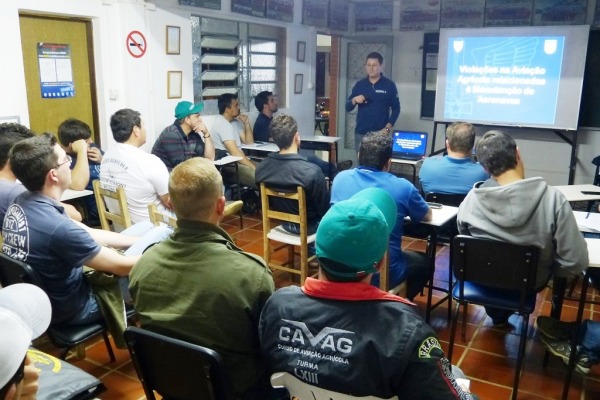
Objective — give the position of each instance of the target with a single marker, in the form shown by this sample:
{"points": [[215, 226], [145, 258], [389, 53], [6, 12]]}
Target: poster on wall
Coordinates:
{"points": [[338, 15], [212, 4], [462, 13], [281, 10], [255, 8], [56, 71], [314, 12], [558, 12], [508, 12], [373, 16], [418, 15]]}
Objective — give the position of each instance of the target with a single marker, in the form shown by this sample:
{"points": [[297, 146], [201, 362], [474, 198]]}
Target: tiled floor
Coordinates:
{"points": [[487, 357]]}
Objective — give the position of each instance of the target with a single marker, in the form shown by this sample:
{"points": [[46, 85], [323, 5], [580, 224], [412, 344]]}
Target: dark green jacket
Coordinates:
{"points": [[200, 286]]}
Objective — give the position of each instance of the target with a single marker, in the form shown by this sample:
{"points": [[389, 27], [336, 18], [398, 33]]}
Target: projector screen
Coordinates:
{"points": [[519, 76]]}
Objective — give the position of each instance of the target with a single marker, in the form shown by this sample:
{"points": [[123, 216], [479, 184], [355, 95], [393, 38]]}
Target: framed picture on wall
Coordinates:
{"points": [[301, 52], [298, 81], [174, 79], [173, 39]]}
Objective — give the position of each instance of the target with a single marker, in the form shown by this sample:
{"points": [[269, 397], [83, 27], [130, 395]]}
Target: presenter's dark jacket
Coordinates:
{"points": [[355, 339], [382, 105]]}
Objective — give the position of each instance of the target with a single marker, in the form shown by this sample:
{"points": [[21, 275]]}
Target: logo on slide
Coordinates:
{"points": [[458, 45], [550, 46]]}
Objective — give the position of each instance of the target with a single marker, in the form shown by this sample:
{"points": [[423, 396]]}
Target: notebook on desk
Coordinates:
{"points": [[409, 145]]}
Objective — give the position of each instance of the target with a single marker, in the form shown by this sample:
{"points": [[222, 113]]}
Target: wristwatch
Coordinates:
{"points": [[206, 136]]}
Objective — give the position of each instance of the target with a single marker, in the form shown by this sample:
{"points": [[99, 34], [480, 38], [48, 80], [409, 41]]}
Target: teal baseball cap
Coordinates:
{"points": [[353, 235], [185, 108]]}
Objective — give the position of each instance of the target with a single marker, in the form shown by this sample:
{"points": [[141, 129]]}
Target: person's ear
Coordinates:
{"points": [[220, 206]]}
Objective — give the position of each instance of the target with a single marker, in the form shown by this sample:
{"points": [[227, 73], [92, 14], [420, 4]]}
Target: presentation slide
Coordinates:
{"points": [[525, 76]]}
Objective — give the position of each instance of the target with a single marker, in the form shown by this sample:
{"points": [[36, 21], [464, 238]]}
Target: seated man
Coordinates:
{"points": [[230, 129], [457, 172], [199, 286], [342, 334], [75, 138], [266, 104], [287, 169], [374, 159], [37, 231], [187, 137], [10, 134], [522, 211], [556, 336], [144, 176]]}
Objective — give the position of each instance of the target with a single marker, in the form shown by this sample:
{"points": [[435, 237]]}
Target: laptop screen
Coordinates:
{"points": [[409, 144]]}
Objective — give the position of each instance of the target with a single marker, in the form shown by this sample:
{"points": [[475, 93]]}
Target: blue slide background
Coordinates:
{"points": [[539, 108]]}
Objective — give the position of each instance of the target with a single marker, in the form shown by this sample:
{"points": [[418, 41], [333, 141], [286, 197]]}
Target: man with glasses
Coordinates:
{"points": [[37, 231], [187, 137]]}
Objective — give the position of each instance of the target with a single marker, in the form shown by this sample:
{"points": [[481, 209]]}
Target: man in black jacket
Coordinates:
{"points": [[342, 334], [286, 170]]}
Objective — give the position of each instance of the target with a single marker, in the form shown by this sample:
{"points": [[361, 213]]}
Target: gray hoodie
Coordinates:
{"points": [[528, 212]]}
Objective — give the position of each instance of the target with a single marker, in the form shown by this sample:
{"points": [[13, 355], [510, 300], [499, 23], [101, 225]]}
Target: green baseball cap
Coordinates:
{"points": [[185, 108], [353, 235]]}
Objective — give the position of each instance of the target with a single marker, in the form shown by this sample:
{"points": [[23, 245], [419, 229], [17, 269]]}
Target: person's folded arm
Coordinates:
{"points": [[233, 150], [110, 261], [109, 238]]}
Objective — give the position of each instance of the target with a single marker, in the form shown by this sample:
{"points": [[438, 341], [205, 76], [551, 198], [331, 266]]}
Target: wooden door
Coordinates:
{"points": [[45, 114]]}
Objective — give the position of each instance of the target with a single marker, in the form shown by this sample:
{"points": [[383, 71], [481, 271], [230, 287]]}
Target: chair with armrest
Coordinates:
{"points": [[106, 217], [61, 335], [176, 369], [278, 234], [303, 391], [496, 274]]}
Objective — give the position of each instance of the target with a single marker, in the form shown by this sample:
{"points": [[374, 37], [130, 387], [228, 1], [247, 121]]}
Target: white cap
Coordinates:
{"points": [[25, 314]]}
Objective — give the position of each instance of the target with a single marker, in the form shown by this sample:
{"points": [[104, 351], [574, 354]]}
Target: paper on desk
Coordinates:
{"points": [[227, 160], [589, 222]]}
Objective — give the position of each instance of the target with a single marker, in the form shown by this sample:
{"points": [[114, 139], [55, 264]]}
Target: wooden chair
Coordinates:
{"points": [[106, 217], [497, 274], [304, 391], [176, 369], [157, 218], [278, 234], [63, 336]]}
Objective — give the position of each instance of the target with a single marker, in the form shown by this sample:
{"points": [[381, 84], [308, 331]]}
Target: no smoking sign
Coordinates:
{"points": [[136, 44]]}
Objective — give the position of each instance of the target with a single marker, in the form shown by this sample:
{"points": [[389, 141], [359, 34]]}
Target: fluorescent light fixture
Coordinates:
{"points": [[219, 43], [219, 90], [222, 59], [220, 75]]}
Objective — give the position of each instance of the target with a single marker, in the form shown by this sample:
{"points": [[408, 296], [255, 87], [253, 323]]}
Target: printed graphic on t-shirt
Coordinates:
{"points": [[15, 233]]}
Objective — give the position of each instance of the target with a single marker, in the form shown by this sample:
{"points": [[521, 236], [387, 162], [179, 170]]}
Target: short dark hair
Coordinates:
{"points": [[261, 99], [122, 123], [71, 130], [32, 158], [375, 150], [376, 56], [9, 137], [282, 130], [461, 137], [14, 127], [224, 101], [497, 152], [14, 380]]}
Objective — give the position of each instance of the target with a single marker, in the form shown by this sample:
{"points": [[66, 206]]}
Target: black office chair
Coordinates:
{"points": [[62, 336], [175, 369], [496, 274], [453, 200]]}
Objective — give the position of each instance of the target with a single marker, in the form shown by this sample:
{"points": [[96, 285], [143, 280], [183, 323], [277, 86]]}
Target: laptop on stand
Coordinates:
{"points": [[408, 145]]}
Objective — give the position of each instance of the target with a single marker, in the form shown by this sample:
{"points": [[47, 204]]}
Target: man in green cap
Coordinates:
{"points": [[187, 137], [340, 333]]}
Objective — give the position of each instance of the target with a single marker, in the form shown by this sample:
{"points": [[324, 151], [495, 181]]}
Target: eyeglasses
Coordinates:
{"points": [[68, 160]]}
